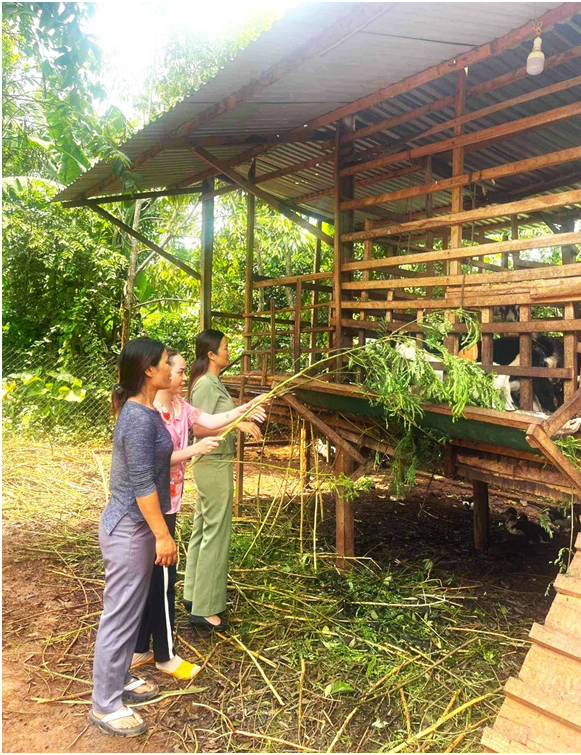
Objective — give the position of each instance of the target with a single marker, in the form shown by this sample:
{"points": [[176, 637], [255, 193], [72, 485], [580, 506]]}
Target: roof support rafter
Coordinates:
{"points": [[271, 200], [445, 102], [465, 179], [145, 241], [503, 131]]}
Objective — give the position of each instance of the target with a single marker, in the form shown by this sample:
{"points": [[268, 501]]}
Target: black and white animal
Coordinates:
{"points": [[324, 449], [501, 382], [546, 352], [521, 526], [509, 312]]}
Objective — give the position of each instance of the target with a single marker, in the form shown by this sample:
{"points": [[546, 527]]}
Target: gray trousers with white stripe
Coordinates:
{"points": [[129, 555], [158, 618]]}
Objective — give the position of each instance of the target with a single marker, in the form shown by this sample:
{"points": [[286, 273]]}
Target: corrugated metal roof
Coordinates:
{"points": [[406, 39]]}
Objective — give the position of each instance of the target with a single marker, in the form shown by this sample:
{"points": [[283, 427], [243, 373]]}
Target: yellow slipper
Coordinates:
{"points": [[184, 672]]}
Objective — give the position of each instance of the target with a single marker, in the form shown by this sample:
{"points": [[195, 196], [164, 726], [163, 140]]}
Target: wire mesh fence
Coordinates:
{"points": [[46, 398]]}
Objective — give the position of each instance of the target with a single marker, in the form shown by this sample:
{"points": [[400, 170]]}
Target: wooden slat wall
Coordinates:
{"points": [[542, 708]]}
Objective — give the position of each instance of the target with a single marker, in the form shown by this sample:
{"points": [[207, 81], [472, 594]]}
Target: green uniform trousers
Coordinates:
{"points": [[209, 546]]}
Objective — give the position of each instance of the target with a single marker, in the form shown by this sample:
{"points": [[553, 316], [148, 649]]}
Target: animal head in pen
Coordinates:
{"points": [[508, 312]]}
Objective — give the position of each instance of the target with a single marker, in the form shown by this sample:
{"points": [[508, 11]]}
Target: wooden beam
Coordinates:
{"points": [[291, 280], [476, 176], [468, 216], [344, 520], [538, 438], [145, 241], [358, 184], [133, 197], [505, 276], [502, 131], [348, 25], [480, 514], [270, 199], [323, 427], [207, 256], [446, 102], [314, 301], [560, 86]]}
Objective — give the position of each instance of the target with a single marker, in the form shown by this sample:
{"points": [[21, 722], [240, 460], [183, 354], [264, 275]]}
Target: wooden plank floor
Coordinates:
{"points": [[542, 708]]}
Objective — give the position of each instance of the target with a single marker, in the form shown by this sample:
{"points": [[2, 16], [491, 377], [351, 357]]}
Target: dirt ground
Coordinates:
{"points": [[38, 602]]}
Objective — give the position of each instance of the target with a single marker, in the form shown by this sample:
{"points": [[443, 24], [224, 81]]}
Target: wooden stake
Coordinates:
{"points": [[481, 514]]}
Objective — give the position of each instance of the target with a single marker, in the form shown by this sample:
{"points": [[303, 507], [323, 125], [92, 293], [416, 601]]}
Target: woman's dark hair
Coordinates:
{"points": [[208, 340], [136, 356]]}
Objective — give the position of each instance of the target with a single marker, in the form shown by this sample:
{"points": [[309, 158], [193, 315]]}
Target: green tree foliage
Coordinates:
{"points": [[50, 92], [63, 280]]}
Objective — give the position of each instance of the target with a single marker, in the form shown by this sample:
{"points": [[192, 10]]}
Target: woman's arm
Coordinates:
{"points": [[203, 446], [166, 552], [244, 427], [221, 420]]}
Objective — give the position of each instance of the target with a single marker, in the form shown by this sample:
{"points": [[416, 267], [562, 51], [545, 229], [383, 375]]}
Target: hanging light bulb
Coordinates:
{"points": [[536, 58]]}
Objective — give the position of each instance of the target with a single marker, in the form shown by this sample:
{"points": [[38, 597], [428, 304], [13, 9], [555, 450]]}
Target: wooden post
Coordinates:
{"points": [[297, 327], [570, 345], [526, 360], [344, 188], [481, 514], [207, 253], [454, 267], [367, 255], [250, 215], [429, 207], [345, 528], [315, 301], [238, 498], [272, 336]]}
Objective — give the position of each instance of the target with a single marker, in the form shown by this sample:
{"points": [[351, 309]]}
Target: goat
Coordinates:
{"points": [[546, 352], [501, 382]]}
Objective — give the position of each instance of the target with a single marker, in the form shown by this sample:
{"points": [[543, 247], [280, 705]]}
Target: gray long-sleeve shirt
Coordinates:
{"points": [[142, 450]]}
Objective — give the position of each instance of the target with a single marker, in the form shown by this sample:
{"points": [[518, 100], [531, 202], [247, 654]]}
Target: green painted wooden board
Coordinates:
{"points": [[462, 429]]}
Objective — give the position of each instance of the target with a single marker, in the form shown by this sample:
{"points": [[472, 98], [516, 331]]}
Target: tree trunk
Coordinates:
{"points": [[131, 275]]}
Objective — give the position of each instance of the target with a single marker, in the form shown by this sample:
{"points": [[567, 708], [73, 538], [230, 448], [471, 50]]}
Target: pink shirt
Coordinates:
{"points": [[184, 416]]}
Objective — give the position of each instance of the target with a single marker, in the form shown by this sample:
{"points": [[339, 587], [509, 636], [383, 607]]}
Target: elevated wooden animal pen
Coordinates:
{"points": [[413, 134], [436, 185]]}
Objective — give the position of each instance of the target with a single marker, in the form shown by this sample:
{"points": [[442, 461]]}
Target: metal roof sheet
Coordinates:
{"points": [[406, 39]]}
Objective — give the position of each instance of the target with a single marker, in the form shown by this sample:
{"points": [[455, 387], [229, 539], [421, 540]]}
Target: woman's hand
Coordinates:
{"points": [[205, 446], [166, 552], [250, 429], [257, 414]]}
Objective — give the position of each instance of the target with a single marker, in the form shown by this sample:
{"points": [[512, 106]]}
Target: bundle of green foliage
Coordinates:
{"points": [[400, 377]]}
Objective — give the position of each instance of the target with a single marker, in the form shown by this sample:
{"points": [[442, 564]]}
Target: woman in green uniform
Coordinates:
{"points": [[208, 549]]}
